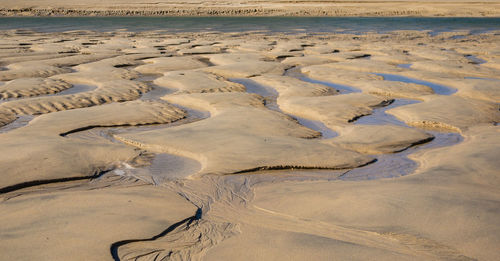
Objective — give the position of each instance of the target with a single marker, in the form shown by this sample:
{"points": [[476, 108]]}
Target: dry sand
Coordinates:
{"points": [[461, 8], [276, 156]]}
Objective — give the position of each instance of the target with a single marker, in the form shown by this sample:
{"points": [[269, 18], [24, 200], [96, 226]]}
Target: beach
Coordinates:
{"points": [[256, 145], [367, 8]]}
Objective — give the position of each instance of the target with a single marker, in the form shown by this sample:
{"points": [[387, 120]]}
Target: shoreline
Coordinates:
{"points": [[245, 25]]}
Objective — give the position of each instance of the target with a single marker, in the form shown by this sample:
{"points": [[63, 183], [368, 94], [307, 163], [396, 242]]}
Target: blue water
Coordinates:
{"points": [[475, 60], [253, 87], [238, 24], [481, 78], [380, 117], [437, 88], [326, 133], [76, 88], [405, 65], [343, 89], [398, 164], [270, 95]]}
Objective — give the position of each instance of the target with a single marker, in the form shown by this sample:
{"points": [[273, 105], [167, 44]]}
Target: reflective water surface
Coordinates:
{"points": [[434, 25]]}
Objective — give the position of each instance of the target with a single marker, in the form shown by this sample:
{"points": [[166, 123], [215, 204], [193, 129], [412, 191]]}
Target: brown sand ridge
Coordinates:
{"points": [[249, 146], [461, 8]]}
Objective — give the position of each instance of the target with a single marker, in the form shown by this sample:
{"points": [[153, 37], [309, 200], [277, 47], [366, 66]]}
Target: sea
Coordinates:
{"points": [[434, 25]]}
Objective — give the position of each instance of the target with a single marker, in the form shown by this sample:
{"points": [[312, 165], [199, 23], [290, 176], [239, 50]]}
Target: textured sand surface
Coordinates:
{"points": [[48, 155], [80, 222], [459, 8], [249, 146], [433, 212]]}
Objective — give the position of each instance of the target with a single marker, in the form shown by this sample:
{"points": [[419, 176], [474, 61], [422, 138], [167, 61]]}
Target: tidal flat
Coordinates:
{"points": [[257, 145]]}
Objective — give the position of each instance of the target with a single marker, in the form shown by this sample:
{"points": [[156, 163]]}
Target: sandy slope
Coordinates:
{"points": [[265, 8]]}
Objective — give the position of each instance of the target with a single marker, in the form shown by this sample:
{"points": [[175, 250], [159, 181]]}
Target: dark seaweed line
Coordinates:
{"points": [[296, 167], [424, 141], [382, 104], [114, 247], [64, 134], [35, 183]]}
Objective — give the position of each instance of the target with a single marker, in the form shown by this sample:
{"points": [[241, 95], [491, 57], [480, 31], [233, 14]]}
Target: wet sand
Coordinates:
{"points": [[249, 146]]}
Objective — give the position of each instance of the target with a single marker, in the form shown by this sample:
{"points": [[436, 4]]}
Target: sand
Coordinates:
{"points": [[80, 222], [249, 146], [462, 8]]}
